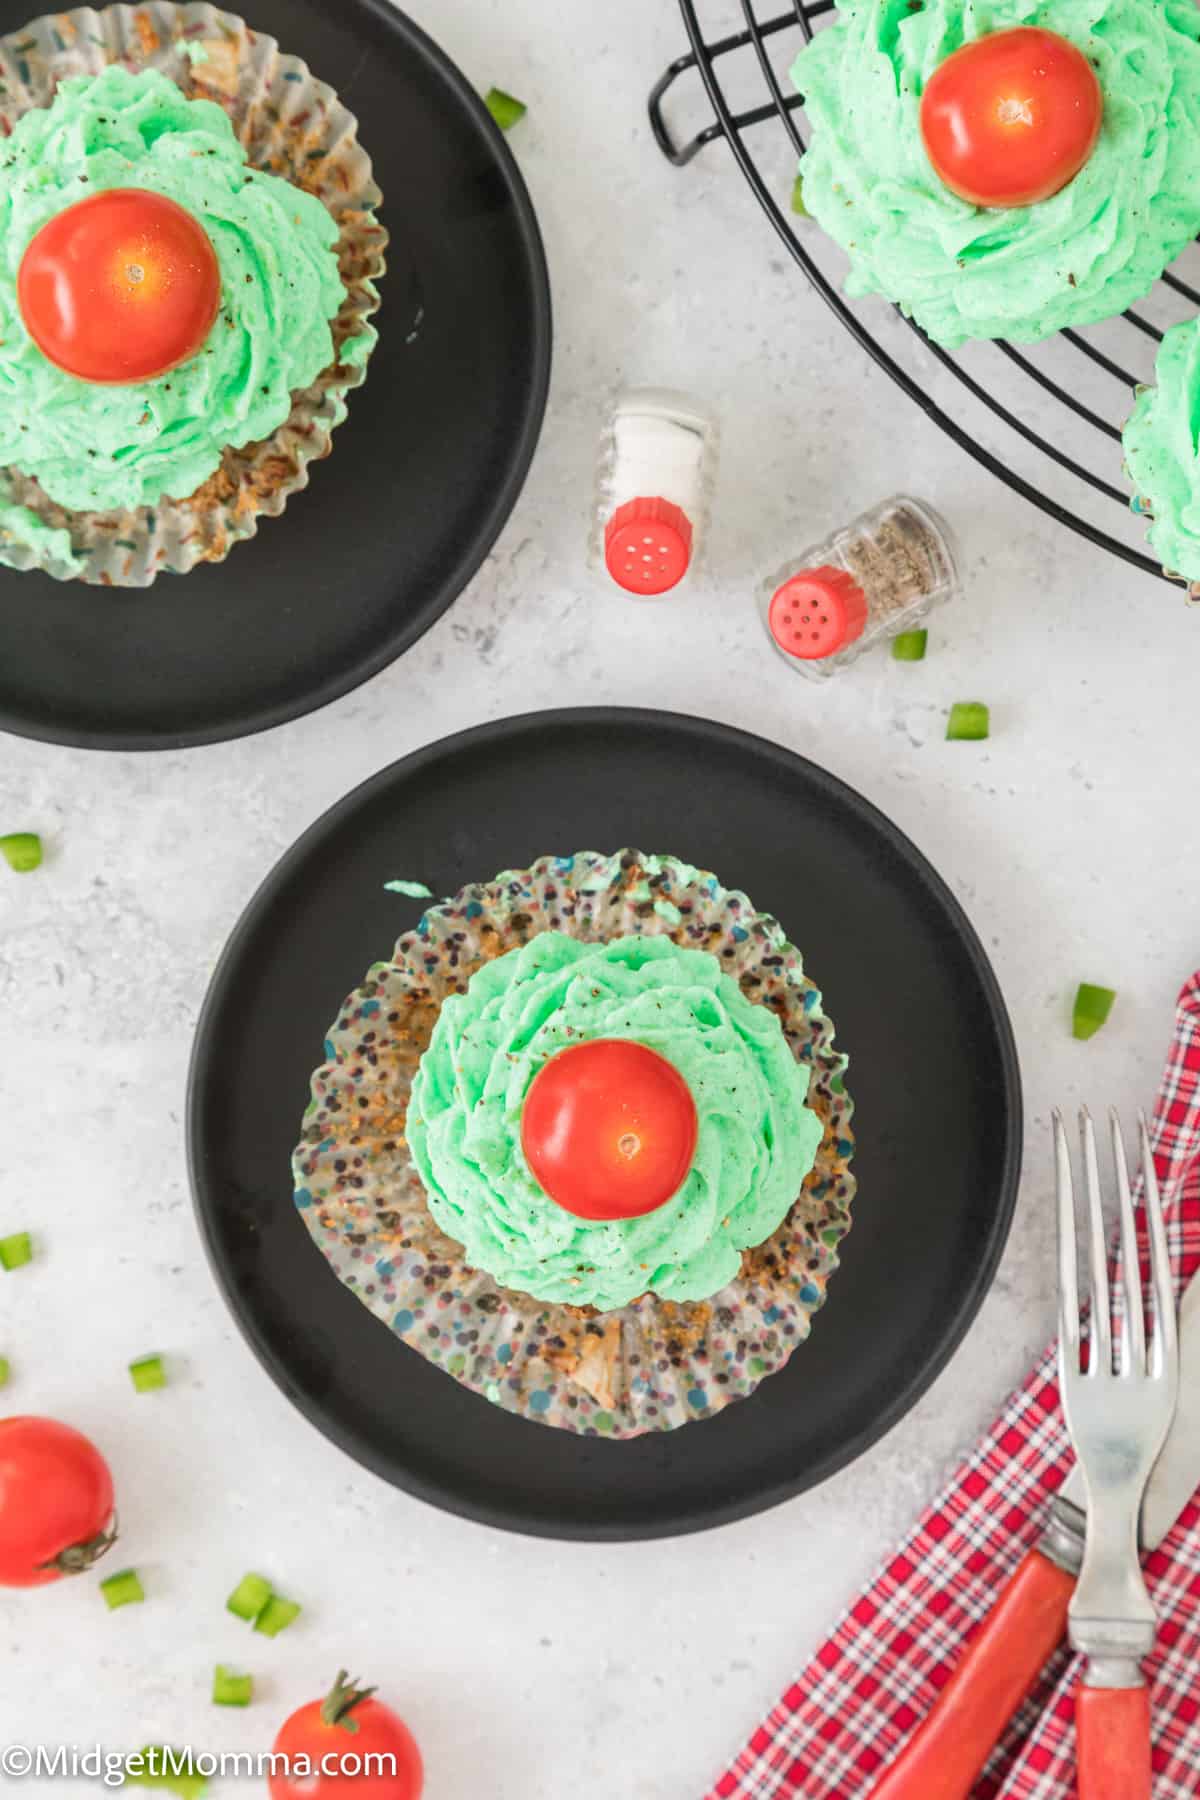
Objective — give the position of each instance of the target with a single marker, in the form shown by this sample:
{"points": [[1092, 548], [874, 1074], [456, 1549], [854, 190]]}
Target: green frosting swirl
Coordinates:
{"points": [[1162, 451], [964, 271], [21, 531], [104, 447], [757, 1138]]}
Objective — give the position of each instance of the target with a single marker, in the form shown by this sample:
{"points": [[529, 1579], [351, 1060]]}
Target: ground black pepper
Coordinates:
{"points": [[903, 559]]}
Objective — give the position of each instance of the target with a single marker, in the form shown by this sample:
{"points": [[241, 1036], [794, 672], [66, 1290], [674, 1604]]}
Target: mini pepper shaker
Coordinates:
{"points": [[872, 579], [654, 484]]}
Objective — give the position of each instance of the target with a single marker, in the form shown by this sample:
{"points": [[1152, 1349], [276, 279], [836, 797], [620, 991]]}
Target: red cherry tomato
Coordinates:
{"points": [[609, 1129], [119, 287], [1012, 117], [338, 1741], [56, 1502]]}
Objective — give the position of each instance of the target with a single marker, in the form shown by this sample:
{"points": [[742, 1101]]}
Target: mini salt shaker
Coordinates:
{"points": [[654, 485], [876, 577]]}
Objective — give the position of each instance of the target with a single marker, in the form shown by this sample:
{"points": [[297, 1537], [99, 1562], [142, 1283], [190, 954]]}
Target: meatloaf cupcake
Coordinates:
{"points": [[594, 1121], [1005, 172], [584, 1143], [187, 263]]}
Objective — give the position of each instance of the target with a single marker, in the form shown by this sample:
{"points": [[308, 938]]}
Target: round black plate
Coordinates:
{"points": [[933, 1071], [423, 474]]}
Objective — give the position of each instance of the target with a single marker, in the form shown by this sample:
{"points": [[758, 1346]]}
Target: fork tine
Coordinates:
{"points": [[1100, 1354], [1164, 1349], [1132, 1347], [1068, 1282]]}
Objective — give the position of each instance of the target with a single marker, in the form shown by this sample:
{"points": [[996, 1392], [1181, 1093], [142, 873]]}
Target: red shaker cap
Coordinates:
{"points": [[816, 613], [648, 545]]}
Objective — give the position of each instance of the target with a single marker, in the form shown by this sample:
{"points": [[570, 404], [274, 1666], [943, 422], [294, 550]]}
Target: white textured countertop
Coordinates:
{"points": [[609, 1673]]}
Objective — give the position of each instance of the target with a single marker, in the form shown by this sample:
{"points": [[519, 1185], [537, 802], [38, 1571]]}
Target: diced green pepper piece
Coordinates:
{"points": [[969, 721], [22, 851], [16, 1251], [276, 1616], [171, 1770], [124, 1589], [1091, 1010], [148, 1373], [249, 1597], [230, 1689], [506, 109], [909, 646], [798, 206], [5, 1371]]}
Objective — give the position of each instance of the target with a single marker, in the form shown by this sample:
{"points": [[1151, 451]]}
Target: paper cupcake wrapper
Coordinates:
{"points": [[1142, 507], [650, 1366], [289, 123]]}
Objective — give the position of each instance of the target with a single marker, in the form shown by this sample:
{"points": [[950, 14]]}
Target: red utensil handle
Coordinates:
{"points": [[997, 1669], [1112, 1726]]}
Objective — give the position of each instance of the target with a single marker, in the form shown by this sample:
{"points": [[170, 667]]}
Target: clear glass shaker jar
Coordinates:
{"points": [[872, 579], [654, 485]]}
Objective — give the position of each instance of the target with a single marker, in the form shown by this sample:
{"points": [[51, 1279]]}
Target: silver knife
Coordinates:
{"points": [[1005, 1654]]}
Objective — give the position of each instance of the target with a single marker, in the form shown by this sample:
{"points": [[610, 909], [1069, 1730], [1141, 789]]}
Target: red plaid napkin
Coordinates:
{"points": [[871, 1683]]}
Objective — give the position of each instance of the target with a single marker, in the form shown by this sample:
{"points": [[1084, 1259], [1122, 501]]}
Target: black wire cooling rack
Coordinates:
{"points": [[1045, 418]]}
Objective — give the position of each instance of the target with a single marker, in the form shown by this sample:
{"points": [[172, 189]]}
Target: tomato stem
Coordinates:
{"points": [[342, 1698], [76, 1558]]}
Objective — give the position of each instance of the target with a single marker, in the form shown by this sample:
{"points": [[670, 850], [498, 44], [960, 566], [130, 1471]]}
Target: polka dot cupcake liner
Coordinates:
{"points": [[653, 1365], [1142, 507], [290, 124]]}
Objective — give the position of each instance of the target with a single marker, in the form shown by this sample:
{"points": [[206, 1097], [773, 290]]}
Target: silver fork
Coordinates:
{"points": [[1118, 1421]]}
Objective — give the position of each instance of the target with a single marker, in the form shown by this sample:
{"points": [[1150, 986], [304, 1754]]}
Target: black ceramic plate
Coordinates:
{"points": [[933, 1072], [423, 473]]}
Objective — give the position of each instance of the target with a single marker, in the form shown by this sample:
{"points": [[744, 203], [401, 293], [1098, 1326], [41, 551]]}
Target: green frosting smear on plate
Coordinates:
{"points": [[757, 1137], [1162, 451], [95, 446], [412, 890], [964, 271]]}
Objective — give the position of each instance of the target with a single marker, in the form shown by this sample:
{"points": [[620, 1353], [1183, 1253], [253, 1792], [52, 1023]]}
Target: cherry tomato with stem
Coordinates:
{"points": [[56, 1502], [354, 1747], [1012, 117]]}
